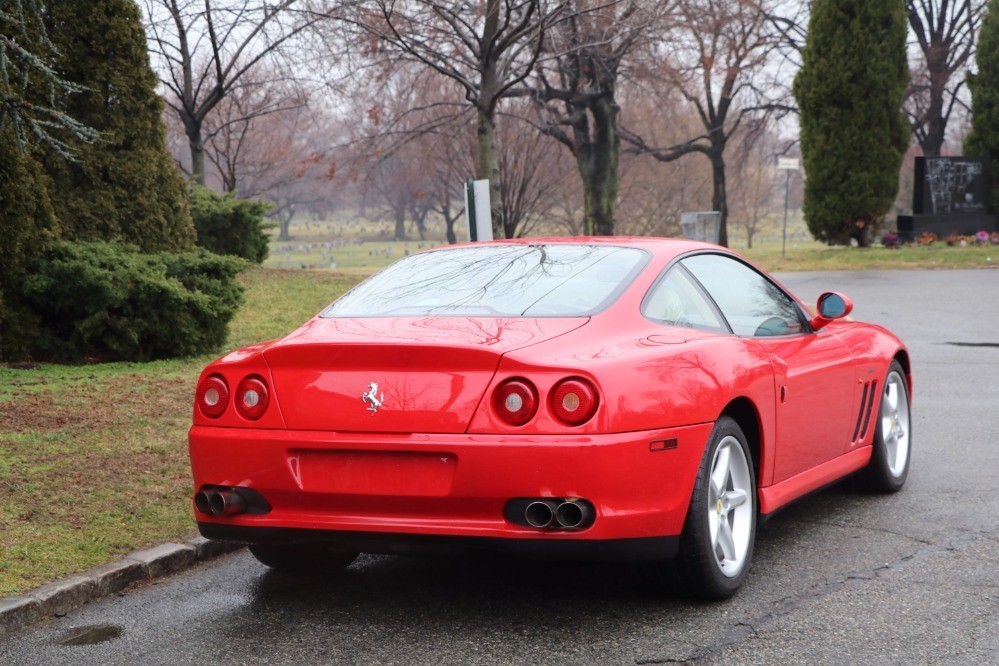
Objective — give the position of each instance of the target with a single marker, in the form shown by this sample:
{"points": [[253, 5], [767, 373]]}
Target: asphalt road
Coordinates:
{"points": [[839, 578]]}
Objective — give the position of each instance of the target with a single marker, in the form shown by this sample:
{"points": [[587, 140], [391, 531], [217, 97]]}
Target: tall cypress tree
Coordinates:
{"points": [[124, 186], [984, 136], [853, 132]]}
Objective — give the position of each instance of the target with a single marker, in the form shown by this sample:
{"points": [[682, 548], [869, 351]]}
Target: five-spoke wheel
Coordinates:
{"points": [[716, 545], [889, 464], [729, 508]]}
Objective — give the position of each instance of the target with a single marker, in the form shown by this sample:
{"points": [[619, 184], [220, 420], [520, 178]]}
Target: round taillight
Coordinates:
{"points": [[516, 401], [212, 396], [252, 397], [574, 401]]}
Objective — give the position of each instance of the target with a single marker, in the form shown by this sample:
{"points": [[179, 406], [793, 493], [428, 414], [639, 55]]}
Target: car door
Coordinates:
{"points": [[813, 372]]}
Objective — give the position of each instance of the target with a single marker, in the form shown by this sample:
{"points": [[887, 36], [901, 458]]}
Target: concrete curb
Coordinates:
{"points": [[64, 595]]}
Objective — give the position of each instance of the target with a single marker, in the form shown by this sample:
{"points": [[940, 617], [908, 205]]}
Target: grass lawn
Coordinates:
{"points": [[93, 459]]}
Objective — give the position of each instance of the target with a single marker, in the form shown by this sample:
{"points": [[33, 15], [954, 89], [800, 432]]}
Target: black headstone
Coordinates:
{"points": [[951, 185]]}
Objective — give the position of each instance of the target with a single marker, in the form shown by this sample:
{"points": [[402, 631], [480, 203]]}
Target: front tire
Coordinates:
{"points": [[716, 546], [301, 558], [889, 465]]}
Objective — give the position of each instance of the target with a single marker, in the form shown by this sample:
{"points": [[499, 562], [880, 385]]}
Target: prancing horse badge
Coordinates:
{"points": [[371, 398]]}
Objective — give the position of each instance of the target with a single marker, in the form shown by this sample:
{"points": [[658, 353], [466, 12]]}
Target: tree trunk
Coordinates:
{"points": [[284, 223], [719, 198], [489, 168], [192, 128], [936, 127], [400, 223], [598, 168]]}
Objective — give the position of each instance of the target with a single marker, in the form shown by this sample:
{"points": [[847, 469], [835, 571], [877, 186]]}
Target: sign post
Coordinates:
{"points": [[787, 165]]}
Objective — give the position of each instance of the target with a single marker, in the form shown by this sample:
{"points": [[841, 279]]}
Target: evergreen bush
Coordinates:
{"points": [[108, 301], [227, 225]]}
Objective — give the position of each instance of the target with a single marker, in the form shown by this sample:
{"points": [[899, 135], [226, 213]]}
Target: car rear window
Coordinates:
{"points": [[496, 281]]}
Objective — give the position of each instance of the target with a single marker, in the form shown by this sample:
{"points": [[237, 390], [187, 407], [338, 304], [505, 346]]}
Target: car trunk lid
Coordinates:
{"points": [[418, 374]]}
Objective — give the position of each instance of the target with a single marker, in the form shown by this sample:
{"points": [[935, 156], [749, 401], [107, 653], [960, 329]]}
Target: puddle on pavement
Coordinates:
{"points": [[91, 635]]}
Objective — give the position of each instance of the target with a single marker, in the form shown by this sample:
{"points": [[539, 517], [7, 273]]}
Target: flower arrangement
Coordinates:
{"points": [[891, 241], [927, 238]]}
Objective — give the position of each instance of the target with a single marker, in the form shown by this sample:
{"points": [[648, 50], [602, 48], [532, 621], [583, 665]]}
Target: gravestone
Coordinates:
{"points": [[951, 196]]}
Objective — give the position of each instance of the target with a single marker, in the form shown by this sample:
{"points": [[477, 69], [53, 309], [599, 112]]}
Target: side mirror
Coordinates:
{"points": [[831, 305]]}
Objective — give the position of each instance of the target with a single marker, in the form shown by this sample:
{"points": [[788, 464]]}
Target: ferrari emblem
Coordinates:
{"points": [[371, 398]]}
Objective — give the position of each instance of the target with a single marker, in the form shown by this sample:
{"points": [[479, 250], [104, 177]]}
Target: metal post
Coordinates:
{"points": [[787, 164], [473, 231], [787, 194]]}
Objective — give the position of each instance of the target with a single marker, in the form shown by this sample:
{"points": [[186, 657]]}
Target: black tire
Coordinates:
{"points": [[892, 452], [698, 571], [299, 558]]}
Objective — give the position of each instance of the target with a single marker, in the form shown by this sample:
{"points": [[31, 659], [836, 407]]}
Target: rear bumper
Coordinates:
{"points": [[403, 493], [635, 550]]}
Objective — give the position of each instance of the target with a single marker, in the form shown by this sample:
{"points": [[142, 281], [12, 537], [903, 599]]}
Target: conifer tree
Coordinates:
{"points": [[853, 132], [124, 186], [27, 229], [984, 136], [31, 92]]}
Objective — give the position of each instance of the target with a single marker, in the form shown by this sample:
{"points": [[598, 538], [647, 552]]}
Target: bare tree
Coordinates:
{"points": [[240, 130], [716, 56], [945, 32], [206, 50], [530, 173], [757, 182], [575, 89], [486, 47]]}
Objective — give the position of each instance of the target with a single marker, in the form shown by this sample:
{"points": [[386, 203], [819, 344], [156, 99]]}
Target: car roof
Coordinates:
{"points": [[662, 247]]}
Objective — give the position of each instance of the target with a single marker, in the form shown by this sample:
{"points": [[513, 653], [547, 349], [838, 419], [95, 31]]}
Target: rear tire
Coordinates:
{"points": [[716, 546], [299, 558]]}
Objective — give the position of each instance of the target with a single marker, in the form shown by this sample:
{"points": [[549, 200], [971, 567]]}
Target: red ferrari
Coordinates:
{"points": [[612, 398]]}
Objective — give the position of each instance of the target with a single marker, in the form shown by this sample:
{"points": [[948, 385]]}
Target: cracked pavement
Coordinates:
{"points": [[841, 577]]}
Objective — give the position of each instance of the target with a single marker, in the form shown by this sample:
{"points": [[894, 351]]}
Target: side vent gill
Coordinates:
{"points": [[866, 408]]}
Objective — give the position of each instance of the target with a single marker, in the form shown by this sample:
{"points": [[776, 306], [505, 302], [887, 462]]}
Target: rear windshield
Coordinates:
{"points": [[496, 281]]}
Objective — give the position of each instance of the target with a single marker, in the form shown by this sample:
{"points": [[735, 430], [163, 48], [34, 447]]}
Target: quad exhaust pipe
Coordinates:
{"points": [[220, 502], [556, 513]]}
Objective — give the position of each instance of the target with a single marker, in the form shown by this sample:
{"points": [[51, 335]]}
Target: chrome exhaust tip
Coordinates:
{"points": [[571, 514], [539, 514], [226, 503], [202, 502]]}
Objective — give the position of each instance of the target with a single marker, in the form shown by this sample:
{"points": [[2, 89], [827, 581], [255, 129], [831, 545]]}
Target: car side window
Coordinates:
{"points": [[678, 301], [753, 305]]}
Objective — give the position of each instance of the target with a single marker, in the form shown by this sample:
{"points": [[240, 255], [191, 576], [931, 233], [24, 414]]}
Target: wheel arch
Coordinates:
{"points": [[902, 356], [744, 412]]}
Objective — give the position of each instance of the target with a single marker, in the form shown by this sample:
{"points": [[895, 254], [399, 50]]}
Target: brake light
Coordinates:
{"points": [[212, 396], [574, 401], [516, 401], [252, 397]]}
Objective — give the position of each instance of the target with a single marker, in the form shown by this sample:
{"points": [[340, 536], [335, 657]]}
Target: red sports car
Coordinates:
{"points": [[611, 398]]}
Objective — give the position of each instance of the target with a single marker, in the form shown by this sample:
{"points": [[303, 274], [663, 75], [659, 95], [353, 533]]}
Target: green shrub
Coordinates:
{"points": [[227, 225], [108, 301]]}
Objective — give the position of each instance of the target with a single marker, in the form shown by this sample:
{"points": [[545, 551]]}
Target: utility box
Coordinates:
{"points": [[701, 226]]}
